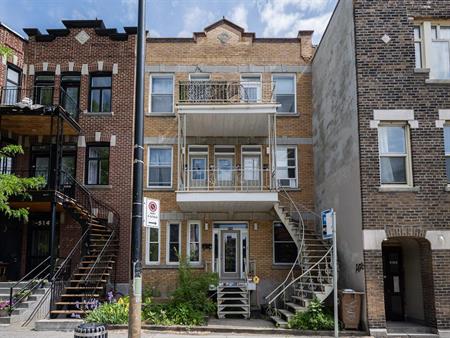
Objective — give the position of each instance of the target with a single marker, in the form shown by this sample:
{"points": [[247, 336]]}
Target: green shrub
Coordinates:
{"points": [[314, 318], [110, 313]]}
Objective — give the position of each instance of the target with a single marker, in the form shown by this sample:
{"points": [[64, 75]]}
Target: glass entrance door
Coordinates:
{"points": [[251, 176], [224, 174], [41, 167], [230, 254]]}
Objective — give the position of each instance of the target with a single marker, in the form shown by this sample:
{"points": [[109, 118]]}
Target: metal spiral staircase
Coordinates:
{"points": [[311, 275]]}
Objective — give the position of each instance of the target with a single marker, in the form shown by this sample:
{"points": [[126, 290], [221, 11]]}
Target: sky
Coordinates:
{"points": [[175, 18]]}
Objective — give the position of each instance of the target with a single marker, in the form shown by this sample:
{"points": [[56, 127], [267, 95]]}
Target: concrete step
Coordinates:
{"points": [[57, 324], [281, 323]]}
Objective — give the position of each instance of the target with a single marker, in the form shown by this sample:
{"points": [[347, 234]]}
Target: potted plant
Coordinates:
{"points": [[5, 307], [22, 295]]}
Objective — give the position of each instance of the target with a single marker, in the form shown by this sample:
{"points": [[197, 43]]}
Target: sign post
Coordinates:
{"points": [[329, 232]]}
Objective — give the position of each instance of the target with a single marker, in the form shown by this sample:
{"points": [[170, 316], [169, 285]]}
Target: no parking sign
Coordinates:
{"points": [[151, 213]]}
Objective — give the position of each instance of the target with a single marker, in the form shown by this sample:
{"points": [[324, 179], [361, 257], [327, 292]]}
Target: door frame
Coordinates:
{"points": [[243, 233], [254, 153], [387, 308]]}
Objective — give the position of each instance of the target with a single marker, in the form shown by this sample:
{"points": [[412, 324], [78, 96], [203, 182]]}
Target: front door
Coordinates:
{"points": [[230, 254], [393, 283]]}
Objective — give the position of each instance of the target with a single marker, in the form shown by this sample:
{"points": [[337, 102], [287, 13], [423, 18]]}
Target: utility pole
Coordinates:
{"points": [[134, 321]]}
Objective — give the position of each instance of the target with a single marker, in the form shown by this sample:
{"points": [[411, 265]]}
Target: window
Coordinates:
{"points": [[198, 164], [199, 77], [285, 90], [160, 166], [447, 150], [284, 247], [194, 241], [287, 166], [97, 164], [418, 45], [440, 52], [173, 242], [5, 165], [394, 151], [70, 93], [43, 88], [100, 93], [10, 95], [153, 245], [162, 94], [251, 88]]}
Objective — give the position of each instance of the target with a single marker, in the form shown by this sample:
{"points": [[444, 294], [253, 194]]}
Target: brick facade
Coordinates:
{"points": [[248, 53]]}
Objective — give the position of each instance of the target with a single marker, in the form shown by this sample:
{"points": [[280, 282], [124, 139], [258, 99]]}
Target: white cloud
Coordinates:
{"points": [[195, 19], [286, 17], [153, 33], [239, 16]]}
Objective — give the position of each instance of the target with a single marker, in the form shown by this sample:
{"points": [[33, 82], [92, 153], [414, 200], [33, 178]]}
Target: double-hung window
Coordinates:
{"points": [[284, 247], [160, 166], [173, 243], [395, 162], [194, 241], [161, 93], [153, 240], [11, 91], [287, 166], [100, 93], [285, 93], [251, 88], [418, 45], [447, 151], [97, 164]]}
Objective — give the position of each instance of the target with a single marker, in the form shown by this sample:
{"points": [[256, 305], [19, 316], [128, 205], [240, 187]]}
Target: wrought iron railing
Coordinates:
{"points": [[37, 96], [233, 179], [225, 92], [33, 280]]}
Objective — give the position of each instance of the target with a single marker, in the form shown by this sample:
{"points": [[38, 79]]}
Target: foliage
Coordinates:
{"points": [[5, 305], [314, 318], [110, 313], [22, 295], [11, 185], [5, 51]]}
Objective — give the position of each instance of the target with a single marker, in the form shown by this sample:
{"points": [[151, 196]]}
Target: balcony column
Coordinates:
{"points": [[272, 143]]}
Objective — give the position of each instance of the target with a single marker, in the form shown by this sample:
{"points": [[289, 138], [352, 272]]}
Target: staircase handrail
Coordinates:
{"points": [[329, 252], [40, 276], [297, 261]]}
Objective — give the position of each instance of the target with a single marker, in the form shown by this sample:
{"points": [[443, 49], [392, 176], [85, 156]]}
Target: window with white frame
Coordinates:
{"points": [[284, 248], [447, 150], [393, 142], [5, 165], [418, 45], [194, 241], [285, 93], [287, 166], [440, 52], [153, 245], [162, 90], [159, 166], [173, 242], [251, 88]]}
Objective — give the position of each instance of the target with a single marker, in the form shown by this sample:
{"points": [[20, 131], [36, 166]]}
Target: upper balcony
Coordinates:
{"points": [[226, 109], [31, 111]]}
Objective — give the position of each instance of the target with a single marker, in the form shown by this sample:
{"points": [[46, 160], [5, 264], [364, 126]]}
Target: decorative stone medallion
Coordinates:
{"points": [[82, 37], [223, 37], [386, 38]]}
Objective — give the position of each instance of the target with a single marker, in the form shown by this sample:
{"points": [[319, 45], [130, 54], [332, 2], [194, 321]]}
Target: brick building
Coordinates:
{"points": [[227, 136], [380, 156], [68, 98]]}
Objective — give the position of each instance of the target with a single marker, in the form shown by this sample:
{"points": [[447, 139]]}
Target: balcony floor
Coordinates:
{"points": [[226, 201]]}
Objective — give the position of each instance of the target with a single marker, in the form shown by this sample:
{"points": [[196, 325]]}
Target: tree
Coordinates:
{"points": [[12, 185]]}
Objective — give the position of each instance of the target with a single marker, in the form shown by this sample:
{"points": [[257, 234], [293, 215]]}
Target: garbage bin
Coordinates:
{"points": [[350, 311], [91, 330]]}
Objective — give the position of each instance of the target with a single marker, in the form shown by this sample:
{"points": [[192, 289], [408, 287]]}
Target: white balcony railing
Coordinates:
{"points": [[233, 179]]}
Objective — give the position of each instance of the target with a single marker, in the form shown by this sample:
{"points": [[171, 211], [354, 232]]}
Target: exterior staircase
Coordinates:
{"points": [[233, 299], [87, 285], [311, 276]]}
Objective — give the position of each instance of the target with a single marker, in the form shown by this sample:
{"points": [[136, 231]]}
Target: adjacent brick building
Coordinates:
{"points": [[380, 149]]}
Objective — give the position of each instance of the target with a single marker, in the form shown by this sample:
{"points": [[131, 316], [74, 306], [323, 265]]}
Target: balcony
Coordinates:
{"points": [[224, 109], [30, 111], [227, 189]]}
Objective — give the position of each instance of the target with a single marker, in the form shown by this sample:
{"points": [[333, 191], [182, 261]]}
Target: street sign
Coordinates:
{"points": [[151, 213], [327, 223]]}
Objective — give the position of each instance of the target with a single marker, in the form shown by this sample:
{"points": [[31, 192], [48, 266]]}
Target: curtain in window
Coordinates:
{"points": [[160, 167], [440, 60]]}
